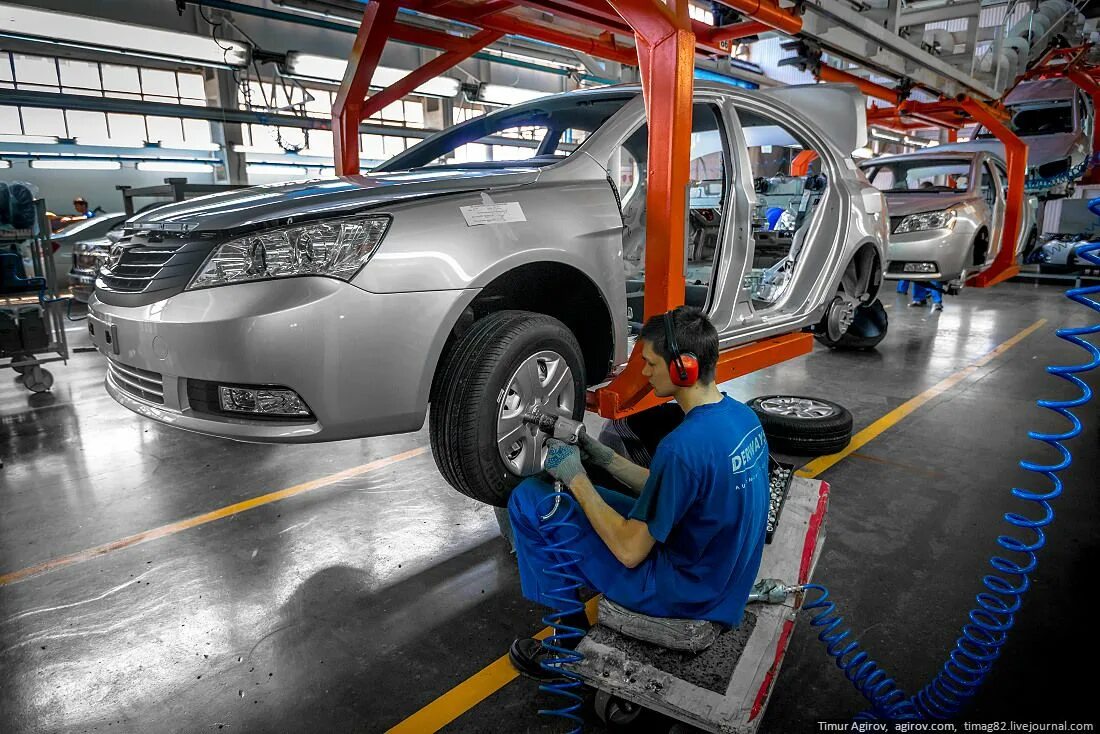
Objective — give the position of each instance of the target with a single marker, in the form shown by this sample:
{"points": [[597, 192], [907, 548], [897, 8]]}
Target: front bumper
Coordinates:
{"points": [[948, 248], [362, 362]]}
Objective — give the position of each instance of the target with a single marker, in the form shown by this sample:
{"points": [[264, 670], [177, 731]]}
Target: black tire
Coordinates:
{"points": [[868, 328], [804, 436], [468, 391]]}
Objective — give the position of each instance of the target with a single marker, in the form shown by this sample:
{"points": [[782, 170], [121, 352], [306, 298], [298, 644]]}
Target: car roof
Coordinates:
{"points": [[1041, 90]]}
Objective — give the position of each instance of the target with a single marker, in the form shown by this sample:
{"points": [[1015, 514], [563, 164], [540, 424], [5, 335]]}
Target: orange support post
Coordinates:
{"points": [[347, 110], [666, 51], [800, 166], [1004, 265]]}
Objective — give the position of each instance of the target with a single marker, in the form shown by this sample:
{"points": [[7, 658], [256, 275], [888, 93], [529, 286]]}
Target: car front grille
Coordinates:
{"points": [[147, 266], [144, 384]]}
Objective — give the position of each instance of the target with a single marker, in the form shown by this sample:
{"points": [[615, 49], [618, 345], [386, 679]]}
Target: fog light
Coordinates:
{"points": [[919, 268], [261, 400]]}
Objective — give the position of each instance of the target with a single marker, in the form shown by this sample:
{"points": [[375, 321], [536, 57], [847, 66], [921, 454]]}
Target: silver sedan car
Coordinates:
{"points": [[494, 268], [947, 213]]}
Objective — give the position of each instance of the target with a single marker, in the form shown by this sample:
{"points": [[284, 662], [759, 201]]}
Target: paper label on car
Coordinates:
{"points": [[479, 214]]}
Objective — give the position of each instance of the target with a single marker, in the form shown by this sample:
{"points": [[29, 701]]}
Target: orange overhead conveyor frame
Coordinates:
{"points": [[953, 114], [662, 40]]}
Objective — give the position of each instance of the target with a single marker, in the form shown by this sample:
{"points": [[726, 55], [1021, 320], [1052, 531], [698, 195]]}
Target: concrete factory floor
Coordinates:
{"points": [[376, 588]]}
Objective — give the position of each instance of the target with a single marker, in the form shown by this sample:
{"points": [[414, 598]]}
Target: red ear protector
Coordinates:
{"points": [[683, 370]]}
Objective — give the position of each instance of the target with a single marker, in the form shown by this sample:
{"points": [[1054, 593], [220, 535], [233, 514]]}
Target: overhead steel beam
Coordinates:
{"points": [[844, 32]]}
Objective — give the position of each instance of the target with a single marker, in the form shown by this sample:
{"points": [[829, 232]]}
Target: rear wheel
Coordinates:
{"points": [[505, 365], [867, 328]]}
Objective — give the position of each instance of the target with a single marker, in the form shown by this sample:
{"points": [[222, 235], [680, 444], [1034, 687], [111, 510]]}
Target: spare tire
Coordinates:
{"points": [[503, 365], [868, 328], [803, 426]]}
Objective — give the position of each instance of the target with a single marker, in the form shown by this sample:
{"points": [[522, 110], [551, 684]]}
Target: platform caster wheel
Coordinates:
{"points": [[21, 369], [615, 711], [37, 379]]}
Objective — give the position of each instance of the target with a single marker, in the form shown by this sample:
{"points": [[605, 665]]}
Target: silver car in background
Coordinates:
{"points": [[493, 268], [947, 210]]}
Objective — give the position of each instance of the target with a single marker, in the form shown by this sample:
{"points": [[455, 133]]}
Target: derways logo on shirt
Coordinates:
{"points": [[749, 451]]}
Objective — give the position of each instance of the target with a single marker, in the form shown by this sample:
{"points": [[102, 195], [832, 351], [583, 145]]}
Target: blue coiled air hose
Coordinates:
{"points": [[990, 621], [557, 511]]}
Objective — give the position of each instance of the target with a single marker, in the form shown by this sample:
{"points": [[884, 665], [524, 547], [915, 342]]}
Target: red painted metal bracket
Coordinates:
{"points": [[732, 363]]}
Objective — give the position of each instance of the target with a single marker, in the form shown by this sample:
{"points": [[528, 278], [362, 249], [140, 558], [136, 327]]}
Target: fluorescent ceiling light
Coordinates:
{"points": [[5, 164], [175, 167], [76, 164], [330, 69], [81, 31], [502, 95], [39, 139], [863, 153], [275, 169]]}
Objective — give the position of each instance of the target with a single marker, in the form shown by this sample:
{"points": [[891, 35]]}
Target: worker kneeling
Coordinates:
{"points": [[688, 543]]}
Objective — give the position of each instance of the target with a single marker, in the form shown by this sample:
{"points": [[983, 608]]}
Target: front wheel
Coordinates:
{"points": [[506, 365], [867, 328]]}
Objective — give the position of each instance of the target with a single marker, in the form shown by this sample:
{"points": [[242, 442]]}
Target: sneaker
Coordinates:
{"points": [[918, 304], [937, 306]]}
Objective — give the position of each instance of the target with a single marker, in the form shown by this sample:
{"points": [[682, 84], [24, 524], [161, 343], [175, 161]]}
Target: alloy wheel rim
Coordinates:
{"points": [[792, 407], [542, 382]]}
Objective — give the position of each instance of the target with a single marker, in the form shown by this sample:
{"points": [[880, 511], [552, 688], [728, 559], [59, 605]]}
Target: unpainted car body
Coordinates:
{"points": [[1055, 119], [531, 243], [947, 210]]}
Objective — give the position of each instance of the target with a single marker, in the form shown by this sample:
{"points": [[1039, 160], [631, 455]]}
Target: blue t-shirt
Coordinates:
{"points": [[706, 504]]}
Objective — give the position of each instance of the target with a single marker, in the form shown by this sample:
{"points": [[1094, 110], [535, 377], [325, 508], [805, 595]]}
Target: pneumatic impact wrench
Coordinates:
{"points": [[563, 429]]}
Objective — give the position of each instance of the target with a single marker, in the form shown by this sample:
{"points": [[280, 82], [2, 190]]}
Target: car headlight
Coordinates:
{"points": [[336, 248], [928, 220]]}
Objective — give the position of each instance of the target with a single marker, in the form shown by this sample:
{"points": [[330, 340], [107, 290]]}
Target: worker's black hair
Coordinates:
{"points": [[694, 333]]}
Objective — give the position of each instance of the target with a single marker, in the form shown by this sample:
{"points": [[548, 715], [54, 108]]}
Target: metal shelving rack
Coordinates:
{"points": [[29, 361]]}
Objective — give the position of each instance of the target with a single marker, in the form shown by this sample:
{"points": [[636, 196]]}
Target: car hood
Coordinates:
{"points": [[1040, 148], [900, 205], [260, 205]]}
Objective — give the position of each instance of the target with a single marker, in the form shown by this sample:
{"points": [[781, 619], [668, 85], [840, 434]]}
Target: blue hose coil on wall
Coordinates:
{"points": [[558, 520], [990, 621]]}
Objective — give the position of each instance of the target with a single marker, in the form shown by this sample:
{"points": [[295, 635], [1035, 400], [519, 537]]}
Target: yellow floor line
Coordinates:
{"points": [[193, 522], [874, 430], [499, 673], [471, 691]]}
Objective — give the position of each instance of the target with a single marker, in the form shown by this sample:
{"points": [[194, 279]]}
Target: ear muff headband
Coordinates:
{"points": [[683, 370]]}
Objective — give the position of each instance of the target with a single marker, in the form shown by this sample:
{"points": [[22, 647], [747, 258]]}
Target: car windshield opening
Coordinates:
{"points": [[1048, 118], [536, 133], [928, 176]]}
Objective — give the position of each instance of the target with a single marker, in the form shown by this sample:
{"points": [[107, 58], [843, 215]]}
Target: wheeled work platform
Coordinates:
{"points": [[724, 688]]}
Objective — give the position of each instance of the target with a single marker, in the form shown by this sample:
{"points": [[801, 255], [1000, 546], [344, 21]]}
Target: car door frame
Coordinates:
{"points": [[997, 210], [625, 123]]}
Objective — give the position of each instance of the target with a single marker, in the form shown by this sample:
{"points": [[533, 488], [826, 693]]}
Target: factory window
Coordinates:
{"points": [[90, 78], [9, 121]]}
